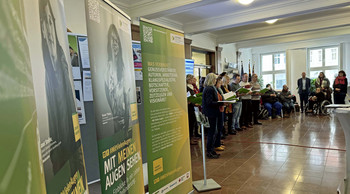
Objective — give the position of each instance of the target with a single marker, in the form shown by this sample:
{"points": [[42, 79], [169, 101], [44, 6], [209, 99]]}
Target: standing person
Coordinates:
{"points": [[211, 109], [303, 90], [221, 134], [192, 122], [255, 98], [270, 101], [340, 86], [194, 84], [201, 84], [286, 100], [228, 110], [236, 107], [323, 83], [246, 117]]}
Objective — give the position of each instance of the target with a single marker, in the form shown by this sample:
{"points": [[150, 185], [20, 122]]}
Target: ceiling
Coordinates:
{"points": [[232, 22]]}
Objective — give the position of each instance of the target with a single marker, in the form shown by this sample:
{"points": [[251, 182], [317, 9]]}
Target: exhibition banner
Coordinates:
{"points": [[58, 122], [20, 163], [167, 133], [113, 84]]}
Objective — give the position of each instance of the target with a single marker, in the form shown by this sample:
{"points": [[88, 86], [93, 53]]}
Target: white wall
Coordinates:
{"points": [[296, 64], [206, 41], [75, 16]]}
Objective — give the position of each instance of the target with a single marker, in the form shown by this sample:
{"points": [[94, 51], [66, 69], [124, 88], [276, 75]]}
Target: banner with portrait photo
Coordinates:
{"points": [[165, 102], [115, 104], [20, 163], [58, 122]]}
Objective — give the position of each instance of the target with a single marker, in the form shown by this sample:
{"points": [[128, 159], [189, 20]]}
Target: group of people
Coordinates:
{"points": [[323, 90], [244, 113]]}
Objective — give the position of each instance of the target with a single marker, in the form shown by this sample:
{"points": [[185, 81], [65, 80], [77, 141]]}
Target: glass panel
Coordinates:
{"points": [[266, 62], [314, 74], [280, 61], [280, 80], [331, 56], [316, 58], [267, 79], [331, 75]]}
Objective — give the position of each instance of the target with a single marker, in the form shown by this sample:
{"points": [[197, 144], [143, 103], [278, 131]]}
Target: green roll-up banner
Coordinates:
{"points": [[114, 92], [20, 164], [58, 123], [167, 133]]}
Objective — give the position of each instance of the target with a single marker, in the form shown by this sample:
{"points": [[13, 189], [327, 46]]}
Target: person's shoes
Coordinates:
{"points": [[286, 115], [233, 132], [212, 156], [257, 123], [214, 153], [193, 142], [249, 126], [278, 117], [243, 128], [270, 117], [239, 129], [219, 148]]}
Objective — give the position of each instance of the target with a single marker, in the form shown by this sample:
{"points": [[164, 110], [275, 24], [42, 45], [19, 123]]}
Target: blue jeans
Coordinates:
{"points": [[214, 133], [289, 106], [236, 110], [276, 105]]}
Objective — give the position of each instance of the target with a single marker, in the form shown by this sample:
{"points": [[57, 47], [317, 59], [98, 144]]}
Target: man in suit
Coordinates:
{"points": [[303, 89]]}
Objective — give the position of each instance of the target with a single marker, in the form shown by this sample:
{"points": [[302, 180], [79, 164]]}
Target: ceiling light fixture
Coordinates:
{"points": [[271, 21], [245, 2]]}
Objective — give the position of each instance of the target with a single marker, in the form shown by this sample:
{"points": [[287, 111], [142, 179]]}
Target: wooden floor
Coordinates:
{"points": [[301, 154]]}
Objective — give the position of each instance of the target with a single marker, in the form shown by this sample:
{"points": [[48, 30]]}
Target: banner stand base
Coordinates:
{"points": [[211, 185]]}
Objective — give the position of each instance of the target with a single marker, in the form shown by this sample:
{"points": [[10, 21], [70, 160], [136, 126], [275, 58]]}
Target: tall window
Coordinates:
{"points": [[273, 68], [325, 59]]}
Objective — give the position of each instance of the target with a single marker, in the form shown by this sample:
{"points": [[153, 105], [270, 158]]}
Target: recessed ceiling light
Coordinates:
{"points": [[271, 21], [245, 2]]}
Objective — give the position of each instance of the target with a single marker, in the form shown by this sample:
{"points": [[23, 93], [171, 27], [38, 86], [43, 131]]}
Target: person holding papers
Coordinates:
{"points": [[211, 109], [236, 107], [246, 117], [255, 98], [228, 109], [192, 121]]}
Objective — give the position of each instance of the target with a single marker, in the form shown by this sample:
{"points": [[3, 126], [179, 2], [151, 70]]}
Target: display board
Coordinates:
{"points": [[20, 163], [58, 123], [189, 64], [167, 133], [114, 93]]}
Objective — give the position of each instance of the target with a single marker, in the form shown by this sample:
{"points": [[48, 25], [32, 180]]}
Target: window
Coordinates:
{"points": [[273, 68], [325, 60]]}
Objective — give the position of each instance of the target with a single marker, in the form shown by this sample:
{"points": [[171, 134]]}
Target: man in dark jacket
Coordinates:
{"points": [[286, 100], [303, 89], [270, 101]]}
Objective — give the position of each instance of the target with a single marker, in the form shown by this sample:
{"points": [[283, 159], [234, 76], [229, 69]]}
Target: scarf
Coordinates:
{"points": [[195, 88], [340, 80], [190, 86]]}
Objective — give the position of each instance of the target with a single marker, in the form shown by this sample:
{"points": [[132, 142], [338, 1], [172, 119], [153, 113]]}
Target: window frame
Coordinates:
{"points": [[323, 68], [274, 71]]}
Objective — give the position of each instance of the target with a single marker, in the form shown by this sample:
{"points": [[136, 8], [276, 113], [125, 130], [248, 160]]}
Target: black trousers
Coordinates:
{"points": [[339, 98], [303, 99], [255, 109], [246, 116]]}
